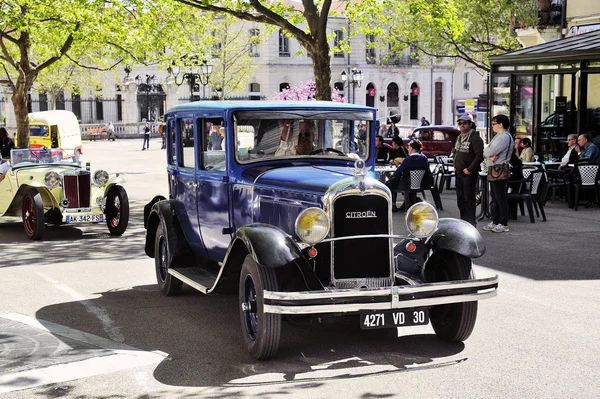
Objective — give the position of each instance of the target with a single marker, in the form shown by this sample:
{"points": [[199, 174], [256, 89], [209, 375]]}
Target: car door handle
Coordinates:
{"points": [[192, 184]]}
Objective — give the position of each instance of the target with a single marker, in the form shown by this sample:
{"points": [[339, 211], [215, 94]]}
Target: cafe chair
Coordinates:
{"points": [[530, 193], [417, 181], [445, 171], [556, 180], [586, 178]]}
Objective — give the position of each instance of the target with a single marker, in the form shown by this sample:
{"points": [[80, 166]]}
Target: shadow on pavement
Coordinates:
{"points": [[211, 351]]}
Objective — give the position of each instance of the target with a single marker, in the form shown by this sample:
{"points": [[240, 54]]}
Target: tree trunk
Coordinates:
{"points": [[322, 71], [19, 100]]}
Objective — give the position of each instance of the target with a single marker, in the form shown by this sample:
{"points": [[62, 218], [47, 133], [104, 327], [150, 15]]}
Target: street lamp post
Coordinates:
{"points": [[196, 73], [147, 85], [354, 79]]}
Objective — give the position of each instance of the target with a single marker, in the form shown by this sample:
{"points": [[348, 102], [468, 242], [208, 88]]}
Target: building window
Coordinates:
{"points": [[337, 41], [119, 107], [99, 109], [414, 101], [392, 95], [60, 100], [43, 97], [254, 91], [284, 44], [76, 105], [467, 81], [254, 41], [283, 86], [370, 49]]}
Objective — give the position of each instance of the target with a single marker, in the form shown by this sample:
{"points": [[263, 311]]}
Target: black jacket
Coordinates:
{"points": [[6, 144], [468, 154]]}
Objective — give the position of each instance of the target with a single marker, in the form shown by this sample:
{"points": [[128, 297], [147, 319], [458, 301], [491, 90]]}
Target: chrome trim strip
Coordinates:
{"points": [[397, 290], [415, 303], [371, 236], [188, 281]]}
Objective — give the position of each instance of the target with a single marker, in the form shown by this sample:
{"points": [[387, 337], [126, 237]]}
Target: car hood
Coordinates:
{"points": [[314, 179], [38, 172]]}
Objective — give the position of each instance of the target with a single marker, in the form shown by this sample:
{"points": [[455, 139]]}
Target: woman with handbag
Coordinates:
{"points": [[498, 156]]}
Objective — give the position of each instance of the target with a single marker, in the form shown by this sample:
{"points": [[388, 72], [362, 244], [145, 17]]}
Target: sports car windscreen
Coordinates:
{"points": [[266, 135]]}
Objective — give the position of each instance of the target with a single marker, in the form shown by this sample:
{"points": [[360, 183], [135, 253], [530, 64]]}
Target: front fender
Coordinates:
{"points": [[268, 245], [457, 236], [112, 181]]}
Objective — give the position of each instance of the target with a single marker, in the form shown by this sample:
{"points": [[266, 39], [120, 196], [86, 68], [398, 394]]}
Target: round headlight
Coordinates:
{"points": [[421, 219], [52, 179], [100, 177], [312, 225]]}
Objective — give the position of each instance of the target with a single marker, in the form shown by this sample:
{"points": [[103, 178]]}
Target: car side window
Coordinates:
{"points": [[170, 134], [440, 136], [425, 135], [213, 144], [186, 136]]}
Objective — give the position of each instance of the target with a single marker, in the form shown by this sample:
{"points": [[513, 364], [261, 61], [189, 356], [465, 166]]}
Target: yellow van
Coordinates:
{"points": [[54, 129]]}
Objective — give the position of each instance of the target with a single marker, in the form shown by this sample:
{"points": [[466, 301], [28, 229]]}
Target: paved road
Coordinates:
{"points": [[80, 316]]}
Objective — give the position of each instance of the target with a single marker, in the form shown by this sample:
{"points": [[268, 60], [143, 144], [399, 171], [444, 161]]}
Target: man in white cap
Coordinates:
{"points": [[468, 155]]}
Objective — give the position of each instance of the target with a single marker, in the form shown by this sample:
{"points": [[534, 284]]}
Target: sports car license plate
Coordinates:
{"points": [[90, 218], [393, 318]]}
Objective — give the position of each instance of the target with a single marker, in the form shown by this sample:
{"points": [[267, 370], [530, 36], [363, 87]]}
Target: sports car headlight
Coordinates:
{"points": [[312, 225], [100, 177], [421, 219], [52, 179]]}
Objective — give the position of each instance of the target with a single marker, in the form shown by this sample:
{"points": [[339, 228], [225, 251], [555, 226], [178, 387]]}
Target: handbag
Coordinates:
{"points": [[499, 172]]}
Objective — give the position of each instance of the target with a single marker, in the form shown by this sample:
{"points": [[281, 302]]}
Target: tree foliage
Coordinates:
{"points": [[35, 35], [471, 31]]}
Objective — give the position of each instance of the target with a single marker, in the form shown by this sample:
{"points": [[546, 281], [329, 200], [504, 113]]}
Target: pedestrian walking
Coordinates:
{"points": [[161, 131], [146, 143], [498, 156], [424, 122], [467, 155]]}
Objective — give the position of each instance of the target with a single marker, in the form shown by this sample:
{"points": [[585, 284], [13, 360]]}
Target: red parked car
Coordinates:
{"points": [[436, 140]]}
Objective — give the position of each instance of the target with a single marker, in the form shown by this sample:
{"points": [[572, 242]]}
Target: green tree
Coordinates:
{"points": [[468, 30], [34, 35], [307, 25]]}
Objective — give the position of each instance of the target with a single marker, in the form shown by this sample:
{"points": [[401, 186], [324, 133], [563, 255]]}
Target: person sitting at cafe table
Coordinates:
{"points": [[571, 156], [526, 152], [586, 149], [398, 150], [382, 154], [401, 180]]}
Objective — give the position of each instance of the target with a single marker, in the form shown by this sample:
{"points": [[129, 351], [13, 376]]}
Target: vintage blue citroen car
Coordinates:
{"points": [[276, 200]]}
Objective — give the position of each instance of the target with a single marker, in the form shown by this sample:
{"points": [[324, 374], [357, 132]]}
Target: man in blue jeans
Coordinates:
{"points": [[146, 143], [468, 155]]}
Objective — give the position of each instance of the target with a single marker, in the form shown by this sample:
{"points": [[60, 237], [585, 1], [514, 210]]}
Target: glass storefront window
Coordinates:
{"points": [[542, 67], [523, 117], [592, 119], [501, 95]]}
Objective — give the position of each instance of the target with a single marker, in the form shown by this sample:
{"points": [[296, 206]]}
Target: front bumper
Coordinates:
{"points": [[396, 297]]}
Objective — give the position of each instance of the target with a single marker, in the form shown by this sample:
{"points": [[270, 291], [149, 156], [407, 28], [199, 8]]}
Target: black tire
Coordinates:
{"points": [[261, 330], [453, 322], [117, 210], [169, 285], [32, 213]]}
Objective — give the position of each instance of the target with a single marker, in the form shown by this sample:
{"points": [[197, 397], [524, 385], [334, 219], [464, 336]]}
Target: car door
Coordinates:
{"points": [[182, 158], [213, 187]]}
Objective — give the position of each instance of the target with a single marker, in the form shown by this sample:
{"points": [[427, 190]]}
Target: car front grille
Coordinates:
{"points": [[361, 261], [77, 190]]}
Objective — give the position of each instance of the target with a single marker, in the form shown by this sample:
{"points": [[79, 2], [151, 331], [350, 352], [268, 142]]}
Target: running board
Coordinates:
{"points": [[195, 277]]}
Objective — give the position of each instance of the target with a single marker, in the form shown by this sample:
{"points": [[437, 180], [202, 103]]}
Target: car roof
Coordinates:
{"points": [[235, 105]]}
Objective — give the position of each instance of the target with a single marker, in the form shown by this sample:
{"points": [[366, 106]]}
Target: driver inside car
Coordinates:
{"points": [[4, 168], [306, 138]]}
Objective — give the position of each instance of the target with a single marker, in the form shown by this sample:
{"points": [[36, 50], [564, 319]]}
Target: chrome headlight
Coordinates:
{"points": [[100, 177], [52, 179], [312, 225], [421, 219]]}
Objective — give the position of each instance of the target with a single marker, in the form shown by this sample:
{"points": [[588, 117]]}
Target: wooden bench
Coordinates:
{"points": [[94, 132]]}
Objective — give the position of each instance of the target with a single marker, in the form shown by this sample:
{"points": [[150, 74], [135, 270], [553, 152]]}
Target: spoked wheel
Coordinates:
{"points": [[117, 210], [169, 285], [33, 214], [453, 322], [261, 330]]}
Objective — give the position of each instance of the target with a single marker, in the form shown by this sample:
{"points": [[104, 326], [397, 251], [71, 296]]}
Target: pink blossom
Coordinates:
{"points": [[305, 92]]}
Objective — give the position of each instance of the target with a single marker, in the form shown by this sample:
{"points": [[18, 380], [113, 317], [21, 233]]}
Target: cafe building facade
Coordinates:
{"points": [[549, 91]]}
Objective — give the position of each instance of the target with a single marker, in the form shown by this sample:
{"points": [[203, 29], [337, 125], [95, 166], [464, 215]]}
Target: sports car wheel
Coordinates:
{"points": [[33, 214], [261, 330], [453, 322], [117, 210], [169, 285]]}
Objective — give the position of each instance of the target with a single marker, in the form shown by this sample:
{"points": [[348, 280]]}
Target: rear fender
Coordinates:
{"points": [[163, 212], [457, 236]]}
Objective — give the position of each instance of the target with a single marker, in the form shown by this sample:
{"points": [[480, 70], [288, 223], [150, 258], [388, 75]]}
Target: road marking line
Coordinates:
{"points": [[124, 357]]}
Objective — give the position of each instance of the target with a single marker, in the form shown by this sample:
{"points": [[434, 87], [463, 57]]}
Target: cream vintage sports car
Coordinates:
{"points": [[49, 186]]}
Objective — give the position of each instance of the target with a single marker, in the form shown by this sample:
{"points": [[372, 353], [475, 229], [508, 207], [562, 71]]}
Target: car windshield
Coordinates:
{"points": [[38, 131], [34, 156], [279, 134]]}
